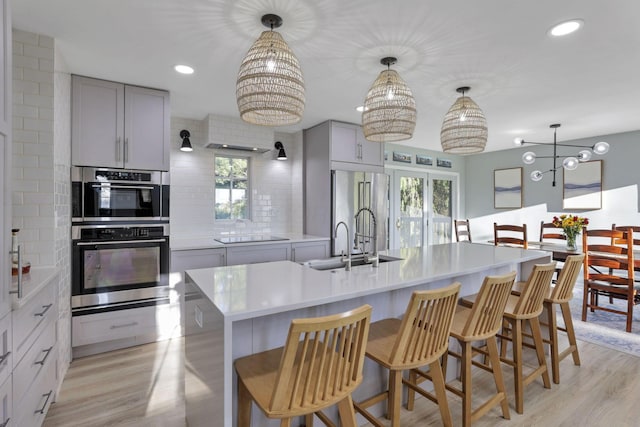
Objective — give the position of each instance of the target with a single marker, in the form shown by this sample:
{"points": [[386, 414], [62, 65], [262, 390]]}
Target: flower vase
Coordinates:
{"points": [[571, 242]]}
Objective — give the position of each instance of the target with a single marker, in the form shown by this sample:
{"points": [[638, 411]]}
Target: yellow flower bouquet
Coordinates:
{"points": [[571, 226]]}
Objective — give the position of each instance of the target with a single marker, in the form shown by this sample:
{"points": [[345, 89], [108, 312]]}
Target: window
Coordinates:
{"points": [[231, 197]]}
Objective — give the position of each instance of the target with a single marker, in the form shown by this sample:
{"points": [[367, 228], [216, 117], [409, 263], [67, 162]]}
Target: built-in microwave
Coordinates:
{"points": [[100, 194]]}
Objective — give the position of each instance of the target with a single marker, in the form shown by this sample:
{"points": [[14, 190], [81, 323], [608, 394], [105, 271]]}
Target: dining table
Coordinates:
{"points": [[560, 252]]}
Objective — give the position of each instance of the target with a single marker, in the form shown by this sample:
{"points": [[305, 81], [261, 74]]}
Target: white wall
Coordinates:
{"points": [[192, 179]]}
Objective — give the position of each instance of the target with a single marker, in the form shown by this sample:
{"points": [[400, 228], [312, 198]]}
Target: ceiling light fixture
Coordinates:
{"points": [[281, 154], [389, 109], [186, 143], [270, 87], [565, 28], [569, 163], [464, 128], [183, 69]]}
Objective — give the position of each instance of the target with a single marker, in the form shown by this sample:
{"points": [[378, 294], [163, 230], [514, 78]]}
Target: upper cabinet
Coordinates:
{"points": [[348, 144], [119, 126]]}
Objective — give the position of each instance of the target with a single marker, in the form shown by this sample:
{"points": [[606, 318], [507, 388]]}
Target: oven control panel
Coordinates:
{"points": [[122, 233], [110, 175]]}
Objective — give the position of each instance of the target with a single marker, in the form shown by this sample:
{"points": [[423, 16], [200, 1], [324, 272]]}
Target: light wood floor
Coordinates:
{"points": [[142, 386]]}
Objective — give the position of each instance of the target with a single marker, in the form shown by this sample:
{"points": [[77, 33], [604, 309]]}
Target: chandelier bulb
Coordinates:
{"points": [[601, 148], [584, 155], [529, 157], [536, 176], [518, 141], [570, 163]]}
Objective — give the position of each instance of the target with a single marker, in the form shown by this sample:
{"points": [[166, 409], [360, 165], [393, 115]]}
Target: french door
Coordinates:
{"points": [[422, 205]]}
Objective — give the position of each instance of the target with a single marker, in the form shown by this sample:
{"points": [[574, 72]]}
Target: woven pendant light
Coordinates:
{"points": [[270, 87], [464, 128], [389, 109]]}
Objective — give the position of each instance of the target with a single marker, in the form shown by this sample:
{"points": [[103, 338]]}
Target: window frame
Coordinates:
{"points": [[248, 189]]}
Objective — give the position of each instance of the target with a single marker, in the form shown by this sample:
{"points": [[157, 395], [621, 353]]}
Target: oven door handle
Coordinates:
{"points": [[119, 242], [134, 187]]}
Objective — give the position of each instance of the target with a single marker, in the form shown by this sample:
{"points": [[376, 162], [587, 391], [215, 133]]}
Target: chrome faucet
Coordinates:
{"points": [[344, 258], [367, 237]]}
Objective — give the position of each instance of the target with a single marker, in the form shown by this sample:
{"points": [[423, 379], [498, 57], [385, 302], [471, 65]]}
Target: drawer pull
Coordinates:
{"points": [[46, 308], [44, 359], [6, 423], [2, 359], [48, 396], [126, 325]]}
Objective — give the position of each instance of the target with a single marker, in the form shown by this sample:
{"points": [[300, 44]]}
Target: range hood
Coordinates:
{"points": [[226, 133], [218, 146]]}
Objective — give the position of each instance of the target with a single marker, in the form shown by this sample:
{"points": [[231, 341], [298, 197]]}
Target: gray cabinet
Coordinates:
{"points": [[119, 126], [197, 258], [253, 254], [305, 251], [349, 145]]}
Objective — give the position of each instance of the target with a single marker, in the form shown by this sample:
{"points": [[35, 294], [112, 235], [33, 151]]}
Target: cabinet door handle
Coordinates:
{"points": [[2, 359], [126, 325], [117, 149], [44, 359], [6, 423], [46, 308], [48, 396], [126, 150], [293, 254]]}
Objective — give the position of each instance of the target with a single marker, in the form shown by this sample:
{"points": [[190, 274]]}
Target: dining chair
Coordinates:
{"points": [[319, 366], [615, 276], [552, 234], [463, 230], [559, 296], [419, 339], [479, 323], [511, 235]]}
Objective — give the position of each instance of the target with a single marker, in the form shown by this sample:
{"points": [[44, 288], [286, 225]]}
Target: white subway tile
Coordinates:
{"points": [[38, 52], [24, 37]]}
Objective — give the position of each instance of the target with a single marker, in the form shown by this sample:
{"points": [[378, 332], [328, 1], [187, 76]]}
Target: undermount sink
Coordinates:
{"points": [[337, 262]]}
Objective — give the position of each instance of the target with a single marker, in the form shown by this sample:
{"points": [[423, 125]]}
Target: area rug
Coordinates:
{"points": [[603, 328]]}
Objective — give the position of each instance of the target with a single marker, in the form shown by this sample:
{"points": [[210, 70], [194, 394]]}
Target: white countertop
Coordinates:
{"points": [[182, 243], [248, 291], [32, 282]]}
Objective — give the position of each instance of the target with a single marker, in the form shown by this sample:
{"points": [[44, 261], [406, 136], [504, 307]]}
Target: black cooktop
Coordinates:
{"points": [[248, 239]]}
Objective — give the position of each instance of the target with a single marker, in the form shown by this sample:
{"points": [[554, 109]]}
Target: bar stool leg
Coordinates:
{"points": [[465, 377], [347, 413], [244, 406], [517, 367], [496, 368], [438, 385], [395, 397], [553, 341], [537, 339], [571, 333]]}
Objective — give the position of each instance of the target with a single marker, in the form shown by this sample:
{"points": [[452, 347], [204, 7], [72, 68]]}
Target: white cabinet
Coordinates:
{"points": [[349, 145], [253, 254], [119, 126], [197, 258], [305, 251]]}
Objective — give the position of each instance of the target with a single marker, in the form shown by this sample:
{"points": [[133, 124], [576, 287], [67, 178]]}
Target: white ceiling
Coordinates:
{"points": [[523, 79]]}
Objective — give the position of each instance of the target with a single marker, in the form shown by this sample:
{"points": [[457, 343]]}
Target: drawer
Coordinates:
{"points": [[40, 357], [6, 351], [32, 408], [113, 325], [41, 308]]}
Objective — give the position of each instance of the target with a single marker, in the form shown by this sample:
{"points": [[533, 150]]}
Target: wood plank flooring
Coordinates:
{"points": [[142, 386]]}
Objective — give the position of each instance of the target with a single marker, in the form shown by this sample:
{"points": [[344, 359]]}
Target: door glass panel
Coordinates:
{"points": [[411, 218], [442, 210], [105, 268]]}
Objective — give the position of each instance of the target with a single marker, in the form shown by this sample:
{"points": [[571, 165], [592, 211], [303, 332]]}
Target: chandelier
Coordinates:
{"points": [[569, 162], [270, 87], [464, 128], [389, 112]]}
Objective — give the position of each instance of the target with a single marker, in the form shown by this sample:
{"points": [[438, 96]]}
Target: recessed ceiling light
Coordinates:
{"points": [[567, 27], [183, 69], [361, 108]]}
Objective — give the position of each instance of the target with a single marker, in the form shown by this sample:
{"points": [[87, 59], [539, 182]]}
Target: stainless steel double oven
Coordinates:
{"points": [[120, 239]]}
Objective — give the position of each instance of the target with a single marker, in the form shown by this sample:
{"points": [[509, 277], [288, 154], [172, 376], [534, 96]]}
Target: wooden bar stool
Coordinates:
{"points": [[419, 339], [520, 309], [481, 322], [560, 295], [319, 366]]}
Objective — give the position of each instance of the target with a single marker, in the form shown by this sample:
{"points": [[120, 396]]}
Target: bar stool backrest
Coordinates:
{"points": [[563, 290], [535, 290]]}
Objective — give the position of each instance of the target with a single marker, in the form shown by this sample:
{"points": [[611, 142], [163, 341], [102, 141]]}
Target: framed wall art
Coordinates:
{"points": [[507, 188], [582, 187], [424, 160], [401, 157]]}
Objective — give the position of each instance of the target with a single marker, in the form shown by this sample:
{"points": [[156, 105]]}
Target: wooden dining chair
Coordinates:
{"points": [[419, 339], [480, 323], [463, 230], [319, 366], [609, 271], [559, 296], [548, 231], [511, 235], [519, 310]]}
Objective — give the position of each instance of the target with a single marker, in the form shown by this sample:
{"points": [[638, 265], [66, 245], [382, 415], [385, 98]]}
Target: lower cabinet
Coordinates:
{"points": [[6, 402], [197, 258], [258, 253], [301, 252]]}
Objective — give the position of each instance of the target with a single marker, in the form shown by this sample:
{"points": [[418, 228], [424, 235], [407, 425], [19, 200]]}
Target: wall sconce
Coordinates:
{"points": [[569, 162], [186, 144], [281, 154]]}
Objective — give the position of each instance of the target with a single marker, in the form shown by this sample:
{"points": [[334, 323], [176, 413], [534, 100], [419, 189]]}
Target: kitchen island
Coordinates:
{"points": [[244, 309]]}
